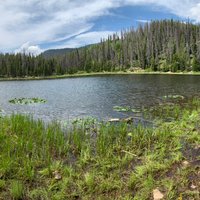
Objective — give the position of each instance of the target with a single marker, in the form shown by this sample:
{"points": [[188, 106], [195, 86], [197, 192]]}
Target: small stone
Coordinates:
{"points": [[197, 147], [157, 195], [185, 163], [114, 120], [57, 175], [193, 186]]}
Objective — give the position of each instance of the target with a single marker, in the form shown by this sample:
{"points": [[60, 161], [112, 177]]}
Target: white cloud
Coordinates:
{"points": [[143, 21], [45, 21], [27, 48], [86, 38]]}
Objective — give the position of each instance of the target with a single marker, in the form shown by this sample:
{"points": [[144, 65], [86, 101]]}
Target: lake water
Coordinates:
{"points": [[94, 96]]}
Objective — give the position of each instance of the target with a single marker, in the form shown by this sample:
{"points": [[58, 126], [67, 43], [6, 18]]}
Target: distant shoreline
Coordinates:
{"points": [[76, 75]]}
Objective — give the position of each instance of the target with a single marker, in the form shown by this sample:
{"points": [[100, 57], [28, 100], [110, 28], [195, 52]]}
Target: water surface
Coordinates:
{"points": [[94, 96]]}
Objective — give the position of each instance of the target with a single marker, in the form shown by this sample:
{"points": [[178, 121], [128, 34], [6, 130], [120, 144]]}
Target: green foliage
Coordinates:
{"points": [[101, 160], [153, 64], [2, 184], [164, 50], [195, 64], [38, 194], [16, 190]]}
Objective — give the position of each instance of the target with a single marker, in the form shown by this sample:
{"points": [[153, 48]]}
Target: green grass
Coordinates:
{"points": [[102, 161]]}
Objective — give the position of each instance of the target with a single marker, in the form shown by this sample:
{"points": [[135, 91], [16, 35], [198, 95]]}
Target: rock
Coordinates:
{"points": [[197, 147], [127, 120], [193, 186], [114, 120], [157, 195], [185, 163], [57, 175]]}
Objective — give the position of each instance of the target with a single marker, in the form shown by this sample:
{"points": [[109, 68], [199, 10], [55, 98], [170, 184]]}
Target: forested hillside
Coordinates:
{"points": [[56, 52], [165, 45]]}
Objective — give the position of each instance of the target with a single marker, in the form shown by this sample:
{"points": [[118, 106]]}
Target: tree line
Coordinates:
{"points": [[164, 45]]}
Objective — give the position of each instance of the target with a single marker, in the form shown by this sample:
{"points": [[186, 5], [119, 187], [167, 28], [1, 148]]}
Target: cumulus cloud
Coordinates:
{"points": [[48, 21], [27, 48]]}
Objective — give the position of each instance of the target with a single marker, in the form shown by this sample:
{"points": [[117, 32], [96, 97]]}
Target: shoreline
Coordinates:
{"points": [[100, 159], [77, 75]]}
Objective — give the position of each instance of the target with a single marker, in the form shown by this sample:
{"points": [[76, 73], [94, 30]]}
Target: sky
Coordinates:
{"points": [[33, 26]]}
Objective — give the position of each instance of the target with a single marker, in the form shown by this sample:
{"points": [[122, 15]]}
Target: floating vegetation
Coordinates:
{"points": [[171, 110], [135, 110], [24, 101], [174, 97], [85, 121], [126, 109], [88, 124], [122, 108]]}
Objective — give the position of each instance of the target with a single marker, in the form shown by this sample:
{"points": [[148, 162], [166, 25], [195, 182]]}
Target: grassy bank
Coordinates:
{"points": [[102, 161], [84, 74]]}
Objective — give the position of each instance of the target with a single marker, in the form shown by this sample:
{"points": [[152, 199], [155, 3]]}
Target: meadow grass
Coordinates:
{"points": [[102, 160]]}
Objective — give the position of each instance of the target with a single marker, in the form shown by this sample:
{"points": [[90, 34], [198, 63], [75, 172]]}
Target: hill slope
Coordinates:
{"points": [[56, 52]]}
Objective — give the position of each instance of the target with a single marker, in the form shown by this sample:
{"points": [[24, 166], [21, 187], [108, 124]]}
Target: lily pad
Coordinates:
{"points": [[24, 101], [126, 109], [135, 110], [121, 108], [173, 97]]}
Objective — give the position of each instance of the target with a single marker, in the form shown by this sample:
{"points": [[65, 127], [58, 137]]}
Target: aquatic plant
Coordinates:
{"points": [[126, 109], [122, 108], [135, 110], [23, 101], [174, 97]]}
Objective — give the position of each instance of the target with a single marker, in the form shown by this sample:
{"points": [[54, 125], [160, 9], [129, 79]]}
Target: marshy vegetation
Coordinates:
{"points": [[94, 160]]}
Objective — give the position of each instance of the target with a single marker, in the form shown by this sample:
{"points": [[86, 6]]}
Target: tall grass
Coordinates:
{"points": [[100, 161]]}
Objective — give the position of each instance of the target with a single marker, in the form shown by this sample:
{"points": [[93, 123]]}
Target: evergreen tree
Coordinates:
{"points": [[195, 64], [160, 46]]}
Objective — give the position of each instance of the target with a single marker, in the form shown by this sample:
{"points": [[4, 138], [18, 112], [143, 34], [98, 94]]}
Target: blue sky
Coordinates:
{"points": [[35, 25]]}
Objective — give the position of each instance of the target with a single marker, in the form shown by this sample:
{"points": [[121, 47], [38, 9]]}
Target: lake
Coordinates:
{"points": [[96, 96]]}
